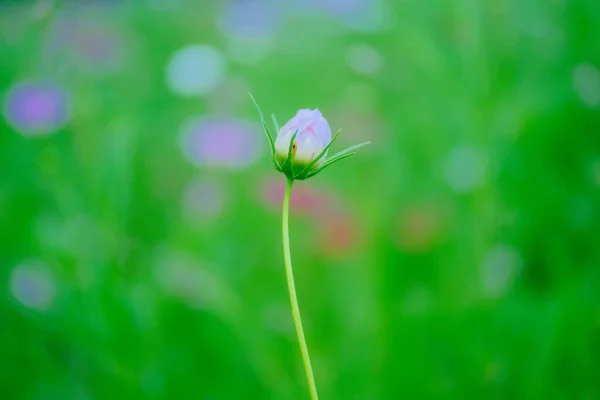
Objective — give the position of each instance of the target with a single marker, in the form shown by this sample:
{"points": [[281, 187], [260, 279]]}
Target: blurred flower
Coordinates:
{"points": [[195, 70], [586, 79], [339, 234], [364, 59], [313, 135], [465, 168], [249, 18], [90, 47], [500, 266], [204, 200], [304, 199], [32, 285], [220, 142], [99, 50], [337, 230], [36, 109]]}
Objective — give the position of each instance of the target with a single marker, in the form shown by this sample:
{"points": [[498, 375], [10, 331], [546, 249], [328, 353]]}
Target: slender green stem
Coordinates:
{"points": [[312, 387]]}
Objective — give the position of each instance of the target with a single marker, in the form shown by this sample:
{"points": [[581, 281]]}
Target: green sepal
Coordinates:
{"points": [[306, 171], [338, 157], [267, 133], [275, 123], [288, 165], [273, 152], [330, 162], [348, 150]]}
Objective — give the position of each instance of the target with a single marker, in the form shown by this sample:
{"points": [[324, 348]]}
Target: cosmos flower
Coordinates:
{"points": [[313, 135], [301, 147], [36, 109], [299, 152]]}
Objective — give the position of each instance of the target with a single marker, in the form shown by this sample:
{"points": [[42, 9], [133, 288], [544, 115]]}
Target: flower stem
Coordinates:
{"points": [[312, 387]]}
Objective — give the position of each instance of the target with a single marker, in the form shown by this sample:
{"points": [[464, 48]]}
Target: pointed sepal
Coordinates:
{"points": [[350, 151], [304, 174], [275, 123], [287, 166], [267, 133]]}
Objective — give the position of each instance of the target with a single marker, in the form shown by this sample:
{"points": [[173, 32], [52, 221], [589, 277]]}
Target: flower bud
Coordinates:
{"points": [[313, 135], [301, 147]]}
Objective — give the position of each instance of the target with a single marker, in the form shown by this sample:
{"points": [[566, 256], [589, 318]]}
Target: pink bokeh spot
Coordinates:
{"points": [[337, 232], [304, 200], [419, 227], [339, 235]]}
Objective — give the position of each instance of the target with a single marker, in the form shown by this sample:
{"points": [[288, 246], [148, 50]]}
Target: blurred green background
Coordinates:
{"points": [[456, 257]]}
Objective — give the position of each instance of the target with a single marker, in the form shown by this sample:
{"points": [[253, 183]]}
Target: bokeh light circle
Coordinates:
{"points": [[220, 142], [36, 109], [31, 284], [195, 70]]}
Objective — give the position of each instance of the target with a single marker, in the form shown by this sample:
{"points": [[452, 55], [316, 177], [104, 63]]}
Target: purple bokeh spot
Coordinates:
{"points": [[84, 46], [249, 18], [220, 142], [100, 49], [36, 109], [32, 285]]}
